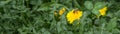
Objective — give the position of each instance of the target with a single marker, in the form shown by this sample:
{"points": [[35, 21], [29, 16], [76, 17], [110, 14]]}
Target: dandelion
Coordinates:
{"points": [[73, 15], [62, 11], [103, 11]]}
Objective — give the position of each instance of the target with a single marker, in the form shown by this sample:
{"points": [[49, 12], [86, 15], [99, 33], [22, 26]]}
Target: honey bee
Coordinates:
{"points": [[75, 10]]}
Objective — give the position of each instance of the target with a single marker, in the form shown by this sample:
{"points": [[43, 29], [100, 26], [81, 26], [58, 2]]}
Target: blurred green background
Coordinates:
{"points": [[37, 17]]}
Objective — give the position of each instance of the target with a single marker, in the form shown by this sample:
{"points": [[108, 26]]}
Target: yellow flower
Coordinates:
{"points": [[103, 11], [61, 11], [73, 15], [55, 13]]}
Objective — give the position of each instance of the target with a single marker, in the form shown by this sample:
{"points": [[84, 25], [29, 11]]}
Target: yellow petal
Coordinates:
{"points": [[61, 11], [73, 15], [103, 11]]}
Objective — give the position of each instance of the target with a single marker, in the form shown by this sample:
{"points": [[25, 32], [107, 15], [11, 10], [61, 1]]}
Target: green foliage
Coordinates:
{"points": [[37, 17], [99, 5], [88, 5]]}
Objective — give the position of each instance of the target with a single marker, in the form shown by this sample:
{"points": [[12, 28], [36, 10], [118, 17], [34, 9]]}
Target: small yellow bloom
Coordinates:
{"points": [[55, 13], [73, 15], [103, 11], [62, 11]]}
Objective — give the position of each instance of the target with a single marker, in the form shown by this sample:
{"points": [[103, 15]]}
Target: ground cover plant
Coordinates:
{"points": [[59, 17]]}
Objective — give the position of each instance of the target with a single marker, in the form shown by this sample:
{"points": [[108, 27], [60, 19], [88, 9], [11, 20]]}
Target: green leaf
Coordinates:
{"points": [[116, 31], [88, 5], [95, 11], [112, 23], [89, 32], [44, 31], [45, 6], [69, 32], [106, 32], [59, 29], [117, 13], [36, 2], [2, 3], [99, 5]]}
